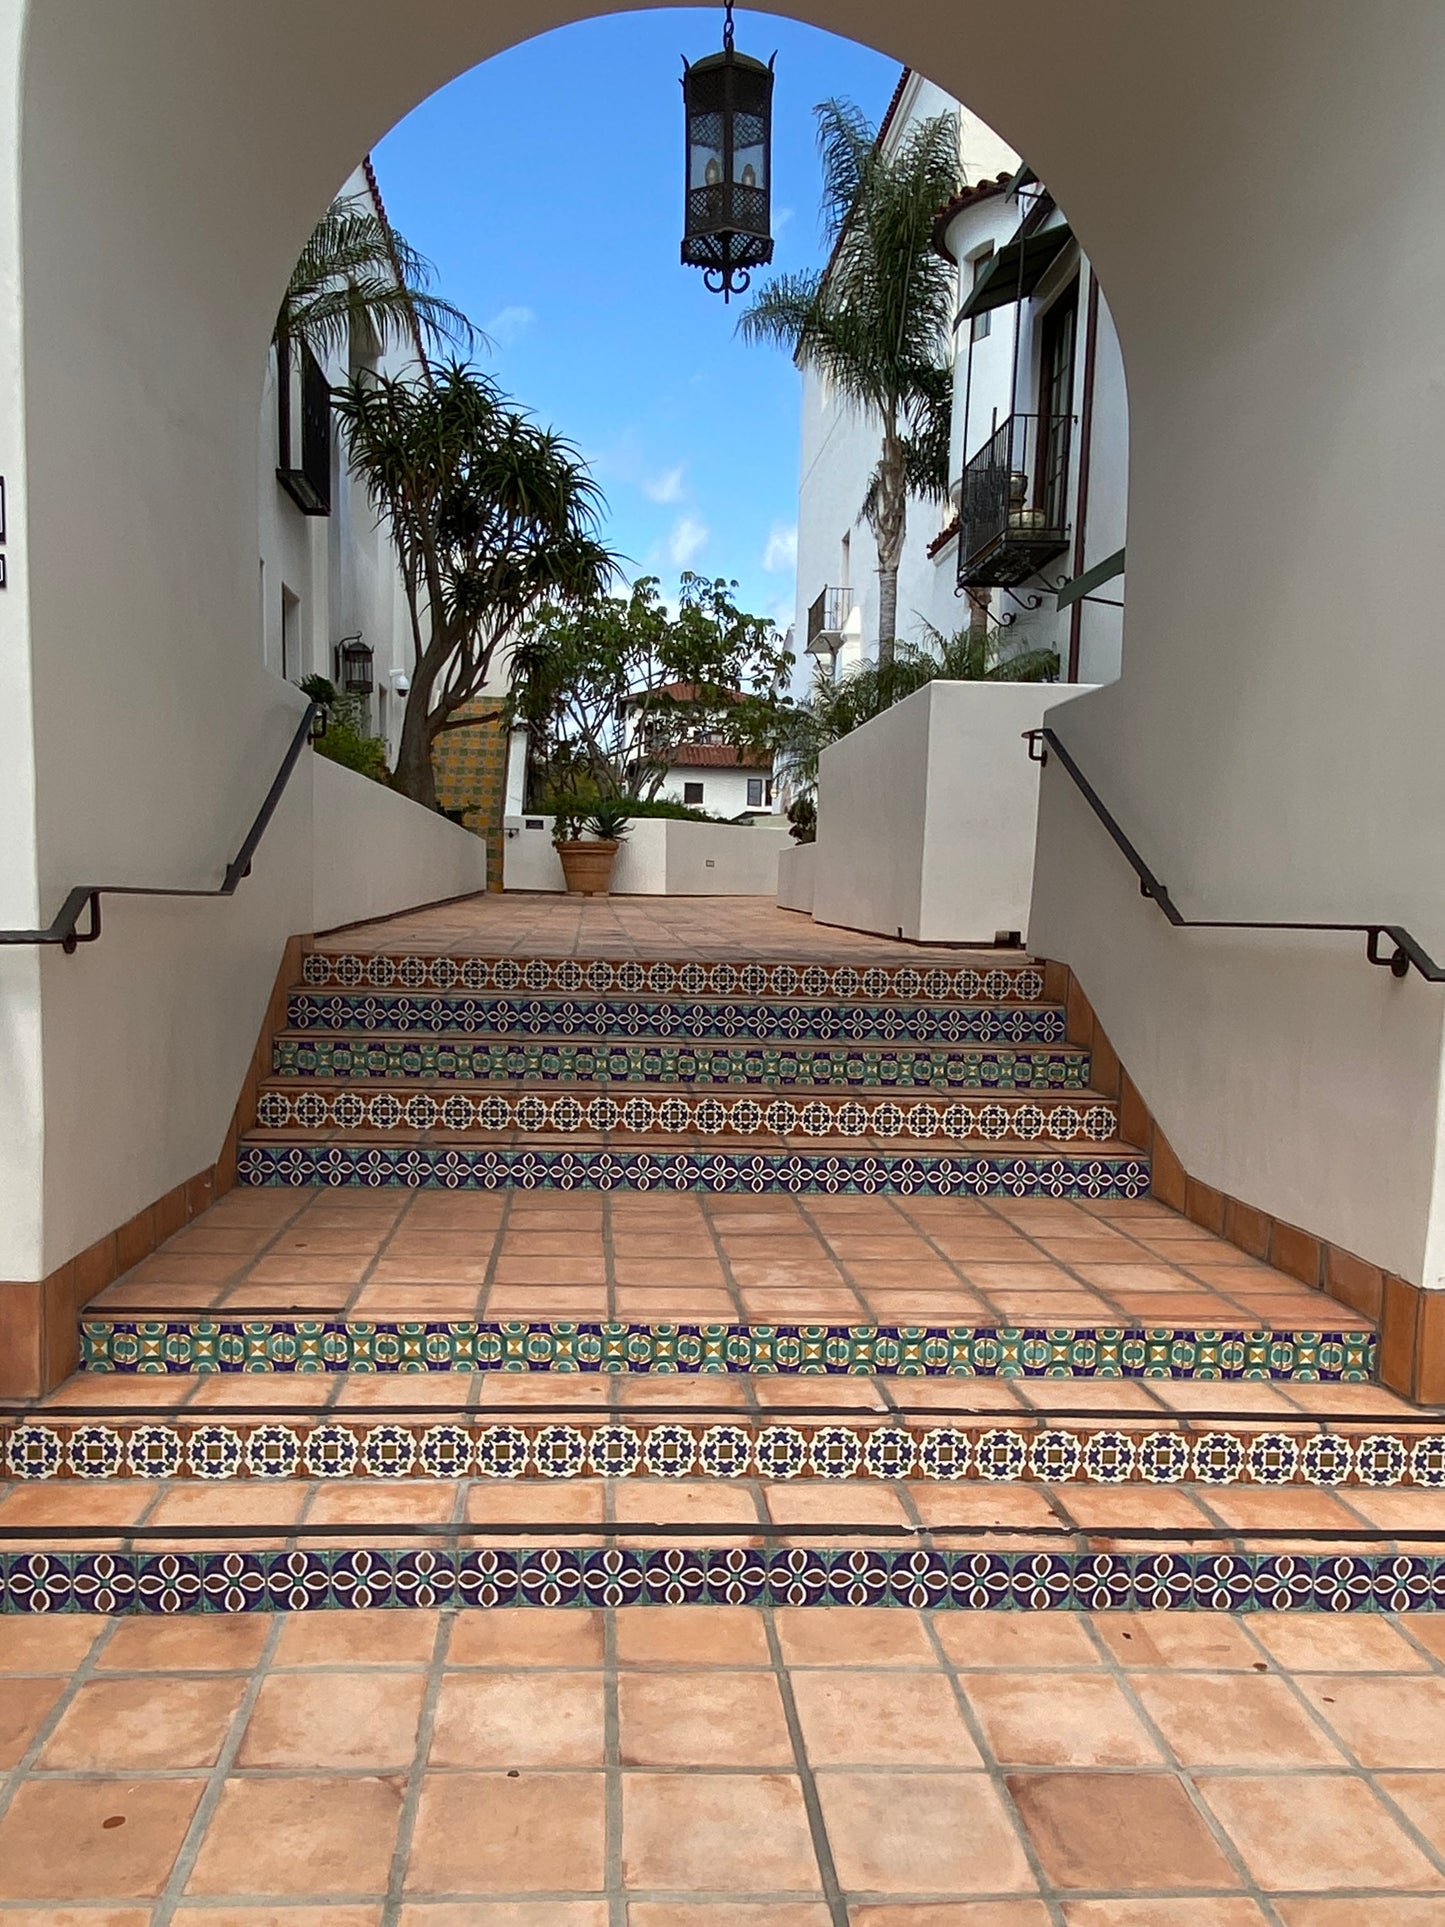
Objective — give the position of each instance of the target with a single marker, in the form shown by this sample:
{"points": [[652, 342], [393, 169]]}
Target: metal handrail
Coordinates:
{"points": [[1407, 954], [65, 929]]}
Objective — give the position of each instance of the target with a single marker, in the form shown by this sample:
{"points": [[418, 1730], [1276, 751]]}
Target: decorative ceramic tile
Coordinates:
{"points": [[1108, 1174], [664, 1061], [997, 983], [1066, 1580], [292, 1344], [614, 1018], [771, 1114], [1012, 1452]]}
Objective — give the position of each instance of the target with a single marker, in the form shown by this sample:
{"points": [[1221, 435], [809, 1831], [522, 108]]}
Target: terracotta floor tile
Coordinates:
{"points": [[496, 1913], [252, 1503], [940, 1506], [1197, 1911], [1033, 1277], [670, 1502], [1101, 1395], [123, 1862], [689, 1273], [1211, 1642], [703, 1719], [334, 1268], [360, 1636], [682, 1832], [853, 1636], [689, 1636], [531, 1719], [1059, 1719], [25, 1705], [1116, 1508], [964, 1913], [1018, 1640], [848, 1502], [281, 1298], [882, 1719], [334, 1719], [497, 1504], [711, 1913], [921, 1833], [364, 1503], [1384, 1911], [526, 1636], [486, 1832], [80, 1503], [1112, 1832], [46, 1642], [1313, 1833], [810, 1307], [1055, 1308], [1258, 1508], [129, 1725], [1385, 1721], [1339, 1642], [1215, 1395], [1400, 1512], [650, 1307], [857, 1394], [304, 1836], [355, 1916], [1223, 1719]]}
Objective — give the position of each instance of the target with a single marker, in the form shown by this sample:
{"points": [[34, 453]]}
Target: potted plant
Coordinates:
{"points": [[587, 834]]}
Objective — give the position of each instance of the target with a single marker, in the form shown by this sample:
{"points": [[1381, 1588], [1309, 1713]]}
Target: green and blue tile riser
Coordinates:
{"points": [[280, 1446], [590, 1576], [289, 1344], [1105, 1174], [1021, 982], [704, 1020], [866, 1115], [559, 1060]]}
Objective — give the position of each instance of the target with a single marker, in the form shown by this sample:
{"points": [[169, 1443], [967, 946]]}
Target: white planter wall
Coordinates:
{"points": [[926, 815], [660, 856], [795, 877], [371, 847]]}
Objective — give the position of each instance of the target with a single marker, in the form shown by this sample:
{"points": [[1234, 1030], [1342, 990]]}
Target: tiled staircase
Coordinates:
{"points": [[595, 1280], [954, 1080]]}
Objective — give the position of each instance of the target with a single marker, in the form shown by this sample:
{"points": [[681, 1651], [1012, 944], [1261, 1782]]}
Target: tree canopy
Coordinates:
{"points": [[610, 689], [492, 517]]}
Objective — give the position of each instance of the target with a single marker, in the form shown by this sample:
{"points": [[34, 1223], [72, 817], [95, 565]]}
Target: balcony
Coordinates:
{"points": [[827, 619], [1013, 516], [303, 407]]}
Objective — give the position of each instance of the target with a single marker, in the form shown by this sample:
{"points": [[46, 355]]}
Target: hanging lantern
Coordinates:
{"points": [[353, 666], [728, 99]]}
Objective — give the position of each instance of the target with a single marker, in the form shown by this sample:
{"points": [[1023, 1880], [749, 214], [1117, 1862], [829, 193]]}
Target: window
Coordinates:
{"points": [[303, 423], [692, 792], [981, 322], [290, 633], [755, 792]]}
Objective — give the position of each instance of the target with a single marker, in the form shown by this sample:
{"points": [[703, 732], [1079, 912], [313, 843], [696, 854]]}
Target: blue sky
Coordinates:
{"points": [[546, 185]]}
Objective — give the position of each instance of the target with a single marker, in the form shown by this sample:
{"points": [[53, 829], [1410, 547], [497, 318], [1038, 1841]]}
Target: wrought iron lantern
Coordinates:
{"points": [[728, 98], [353, 665]]}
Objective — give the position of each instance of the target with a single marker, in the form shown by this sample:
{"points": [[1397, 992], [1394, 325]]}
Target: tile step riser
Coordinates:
{"points": [[270, 1446], [183, 1346], [1104, 1174], [807, 1119], [719, 1067], [511, 1019], [601, 976], [684, 1573]]}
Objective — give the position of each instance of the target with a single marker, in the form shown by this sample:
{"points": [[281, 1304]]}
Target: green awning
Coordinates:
{"points": [[1091, 579], [1016, 270]]}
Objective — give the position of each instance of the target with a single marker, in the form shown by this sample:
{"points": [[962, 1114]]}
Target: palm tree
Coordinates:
{"points": [[875, 321], [491, 516], [357, 274]]}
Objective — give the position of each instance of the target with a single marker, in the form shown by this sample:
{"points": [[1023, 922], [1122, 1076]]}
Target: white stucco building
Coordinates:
{"points": [[1038, 394]]}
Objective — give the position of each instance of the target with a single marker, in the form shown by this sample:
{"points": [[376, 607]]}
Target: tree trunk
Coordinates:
{"points": [[414, 774], [890, 525]]}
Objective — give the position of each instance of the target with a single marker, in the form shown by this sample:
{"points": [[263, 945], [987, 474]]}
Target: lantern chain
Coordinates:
{"points": [[728, 29]]}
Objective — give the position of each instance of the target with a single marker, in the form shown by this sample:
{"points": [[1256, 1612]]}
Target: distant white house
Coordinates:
{"points": [[1039, 446], [708, 773]]}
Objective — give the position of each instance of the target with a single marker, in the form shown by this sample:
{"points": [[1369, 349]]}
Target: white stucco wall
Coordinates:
{"points": [[368, 843], [660, 856], [795, 877], [724, 791], [1257, 187], [926, 815]]}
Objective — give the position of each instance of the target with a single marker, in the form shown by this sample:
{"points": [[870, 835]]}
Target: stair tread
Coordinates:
{"points": [[797, 1094], [835, 1143]]}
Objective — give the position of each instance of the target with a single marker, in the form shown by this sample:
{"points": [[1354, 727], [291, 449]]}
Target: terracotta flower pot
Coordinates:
{"points": [[587, 864]]}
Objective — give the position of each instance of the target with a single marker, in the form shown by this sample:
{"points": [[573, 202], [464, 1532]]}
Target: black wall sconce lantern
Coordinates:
{"points": [[728, 98], [353, 665]]}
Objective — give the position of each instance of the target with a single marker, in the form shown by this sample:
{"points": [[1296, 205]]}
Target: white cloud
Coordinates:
{"points": [[508, 325], [686, 541], [782, 550], [666, 487], [781, 217]]}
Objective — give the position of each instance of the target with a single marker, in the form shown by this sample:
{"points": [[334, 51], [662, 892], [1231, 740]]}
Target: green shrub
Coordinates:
{"points": [[346, 740]]}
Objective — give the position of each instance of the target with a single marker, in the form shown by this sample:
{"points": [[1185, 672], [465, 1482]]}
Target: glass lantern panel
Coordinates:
{"points": [[750, 164]]}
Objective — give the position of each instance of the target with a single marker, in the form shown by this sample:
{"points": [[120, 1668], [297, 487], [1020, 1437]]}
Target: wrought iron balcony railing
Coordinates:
{"points": [[827, 619], [1014, 510]]}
